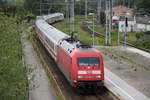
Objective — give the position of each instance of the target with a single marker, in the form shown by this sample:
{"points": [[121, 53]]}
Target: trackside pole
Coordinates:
{"points": [[106, 34]]}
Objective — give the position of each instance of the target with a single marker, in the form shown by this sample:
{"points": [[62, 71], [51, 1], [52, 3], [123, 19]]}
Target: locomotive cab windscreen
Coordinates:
{"points": [[88, 61]]}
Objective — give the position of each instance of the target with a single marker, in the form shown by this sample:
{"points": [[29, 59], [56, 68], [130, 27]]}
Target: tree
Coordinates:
{"points": [[145, 4], [102, 18], [79, 7], [34, 6], [127, 3], [2, 2]]}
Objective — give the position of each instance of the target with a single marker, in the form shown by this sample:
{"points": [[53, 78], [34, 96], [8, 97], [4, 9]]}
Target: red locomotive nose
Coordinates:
{"points": [[89, 68]]}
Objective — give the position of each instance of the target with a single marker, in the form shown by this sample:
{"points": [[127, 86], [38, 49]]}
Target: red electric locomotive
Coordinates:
{"points": [[81, 64]]}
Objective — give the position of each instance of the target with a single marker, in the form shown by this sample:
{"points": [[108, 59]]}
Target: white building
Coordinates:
{"points": [[131, 26]]}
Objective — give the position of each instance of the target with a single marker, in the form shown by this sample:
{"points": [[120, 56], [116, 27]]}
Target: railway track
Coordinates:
{"points": [[70, 93], [87, 29]]}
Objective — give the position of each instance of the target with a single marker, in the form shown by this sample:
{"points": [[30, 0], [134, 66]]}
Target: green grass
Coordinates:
{"points": [[85, 37], [130, 39], [13, 79], [99, 29], [81, 35]]}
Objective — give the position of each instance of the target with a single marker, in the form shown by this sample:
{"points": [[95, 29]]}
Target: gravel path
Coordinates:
{"points": [[41, 88]]}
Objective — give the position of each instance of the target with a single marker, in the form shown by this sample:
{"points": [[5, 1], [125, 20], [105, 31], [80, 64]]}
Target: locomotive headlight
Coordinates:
{"points": [[82, 72], [96, 72], [80, 76], [98, 76], [75, 81]]}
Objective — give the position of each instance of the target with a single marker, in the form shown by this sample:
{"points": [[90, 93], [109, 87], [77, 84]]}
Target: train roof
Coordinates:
{"points": [[50, 31], [69, 46], [52, 15], [46, 17], [55, 35], [87, 50]]}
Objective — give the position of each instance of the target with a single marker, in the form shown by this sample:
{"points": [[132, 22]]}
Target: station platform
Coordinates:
{"points": [[121, 89], [135, 50]]}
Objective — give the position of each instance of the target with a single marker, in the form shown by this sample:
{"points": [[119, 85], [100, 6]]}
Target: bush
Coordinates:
{"points": [[147, 32], [138, 35], [143, 44]]}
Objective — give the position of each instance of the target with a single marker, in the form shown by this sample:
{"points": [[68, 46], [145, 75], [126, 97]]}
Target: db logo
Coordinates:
{"points": [[89, 72]]}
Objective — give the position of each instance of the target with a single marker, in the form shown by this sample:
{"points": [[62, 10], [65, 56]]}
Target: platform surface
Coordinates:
{"points": [[121, 88]]}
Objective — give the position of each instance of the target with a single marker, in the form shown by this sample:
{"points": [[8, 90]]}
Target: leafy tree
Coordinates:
{"points": [[102, 18], [20, 10], [145, 4], [79, 7], [2, 2], [32, 6], [127, 3]]}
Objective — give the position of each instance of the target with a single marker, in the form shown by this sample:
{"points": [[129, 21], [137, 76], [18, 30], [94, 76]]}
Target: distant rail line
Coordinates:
{"points": [[87, 29]]}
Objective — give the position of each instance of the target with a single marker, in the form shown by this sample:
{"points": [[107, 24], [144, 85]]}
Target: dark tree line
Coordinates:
{"points": [[9, 10], [145, 5], [37, 6], [127, 3], [34, 6]]}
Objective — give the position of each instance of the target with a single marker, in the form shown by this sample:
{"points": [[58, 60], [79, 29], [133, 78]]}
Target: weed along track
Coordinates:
{"points": [[68, 92]]}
